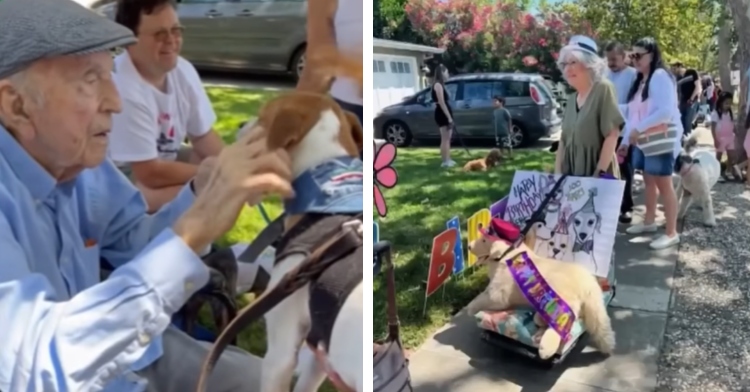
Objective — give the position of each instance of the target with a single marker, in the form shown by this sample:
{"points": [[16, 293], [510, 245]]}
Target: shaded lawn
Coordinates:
{"points": [[234, 106], [425, 197]]}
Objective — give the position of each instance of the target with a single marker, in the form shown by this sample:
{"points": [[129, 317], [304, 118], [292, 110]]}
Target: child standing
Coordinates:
{"points": [[503, 124], [722, 129]]}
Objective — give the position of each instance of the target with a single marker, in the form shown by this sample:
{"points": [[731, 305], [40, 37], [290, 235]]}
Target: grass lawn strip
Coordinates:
{"points": [[424, 199]]}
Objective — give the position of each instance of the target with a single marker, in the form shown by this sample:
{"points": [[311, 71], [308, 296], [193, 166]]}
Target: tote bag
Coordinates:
{"points": [[658, 140]]}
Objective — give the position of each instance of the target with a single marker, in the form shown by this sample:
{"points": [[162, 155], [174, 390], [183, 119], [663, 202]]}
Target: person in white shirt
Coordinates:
{"points": [[653, 103], [339, 24], [163, 103], [622, 77]]}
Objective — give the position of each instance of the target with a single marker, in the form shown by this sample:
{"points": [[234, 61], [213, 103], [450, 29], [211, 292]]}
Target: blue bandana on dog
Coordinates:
{"points": [[333, 187]]}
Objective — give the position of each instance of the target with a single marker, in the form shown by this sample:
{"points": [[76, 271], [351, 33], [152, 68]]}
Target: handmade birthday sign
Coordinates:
{"points": [[458, 250], [497, 209], [476, 222], [441, 260], [550, 306], [580, 222]]}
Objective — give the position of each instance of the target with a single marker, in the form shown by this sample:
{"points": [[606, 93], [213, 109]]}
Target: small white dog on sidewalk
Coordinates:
{"points": [[698, 171]]}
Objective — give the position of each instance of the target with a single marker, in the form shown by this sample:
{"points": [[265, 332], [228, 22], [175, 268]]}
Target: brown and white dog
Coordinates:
{"points": [[313, 129], [491, 160]]}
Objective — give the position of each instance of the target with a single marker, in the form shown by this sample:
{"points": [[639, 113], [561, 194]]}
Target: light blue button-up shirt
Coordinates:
{"points": [[61, 329]]}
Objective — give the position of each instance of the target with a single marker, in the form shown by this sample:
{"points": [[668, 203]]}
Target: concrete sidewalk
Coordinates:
{"points": [[456, 359]]}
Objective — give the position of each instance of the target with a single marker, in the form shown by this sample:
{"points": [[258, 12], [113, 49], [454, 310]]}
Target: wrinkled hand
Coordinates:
{"points": [[244, 172]]}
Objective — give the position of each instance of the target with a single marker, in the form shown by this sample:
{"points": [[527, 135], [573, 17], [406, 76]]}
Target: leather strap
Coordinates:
{"points": [[340, 243], [383, 249]]}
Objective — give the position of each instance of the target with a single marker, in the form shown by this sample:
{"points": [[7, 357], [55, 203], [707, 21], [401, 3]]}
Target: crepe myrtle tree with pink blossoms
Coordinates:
{"points": [[492, 37]]}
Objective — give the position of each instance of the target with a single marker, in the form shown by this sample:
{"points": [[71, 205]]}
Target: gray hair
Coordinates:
{"points": [[595, 64]]}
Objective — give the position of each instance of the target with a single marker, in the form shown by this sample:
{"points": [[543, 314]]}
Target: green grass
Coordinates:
{"points": [[425, 197], [234, 106]]}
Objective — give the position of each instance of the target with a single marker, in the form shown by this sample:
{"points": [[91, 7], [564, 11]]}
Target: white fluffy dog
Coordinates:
{"points": [[577, 286], [699, 171]]}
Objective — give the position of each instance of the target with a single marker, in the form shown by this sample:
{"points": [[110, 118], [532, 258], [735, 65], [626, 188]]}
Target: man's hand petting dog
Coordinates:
{"points": [[244, 173]]}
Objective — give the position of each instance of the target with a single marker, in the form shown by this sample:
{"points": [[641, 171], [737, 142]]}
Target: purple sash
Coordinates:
{"points": [[540, 295]]}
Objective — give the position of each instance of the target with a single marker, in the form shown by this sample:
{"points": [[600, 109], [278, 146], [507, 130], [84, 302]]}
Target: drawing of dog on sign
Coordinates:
{"points": [[586, 224], [560, 244]]}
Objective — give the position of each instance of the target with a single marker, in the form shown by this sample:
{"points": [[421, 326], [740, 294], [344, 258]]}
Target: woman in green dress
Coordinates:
{"points": [[592, 120]]}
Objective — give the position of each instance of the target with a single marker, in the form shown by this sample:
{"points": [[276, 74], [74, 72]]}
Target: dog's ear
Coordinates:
{"points": [[285, 129], [355, 127], [598, 222]]}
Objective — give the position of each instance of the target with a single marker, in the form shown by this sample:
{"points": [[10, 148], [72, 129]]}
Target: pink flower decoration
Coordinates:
{"points": [[385, 175]]}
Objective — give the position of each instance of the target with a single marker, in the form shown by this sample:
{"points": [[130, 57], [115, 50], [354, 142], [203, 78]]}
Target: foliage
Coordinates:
{"points": [[683, 28], [494, 36], [482, 36]]}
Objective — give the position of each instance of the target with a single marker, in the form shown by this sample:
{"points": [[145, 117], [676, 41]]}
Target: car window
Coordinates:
{"points": [[479, 91], [514, 88]]}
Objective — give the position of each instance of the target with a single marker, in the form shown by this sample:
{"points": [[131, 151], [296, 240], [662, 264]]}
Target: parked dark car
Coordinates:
{"points": [[530, 101]]}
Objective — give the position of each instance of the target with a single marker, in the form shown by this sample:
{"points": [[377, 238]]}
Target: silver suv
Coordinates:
{"points": [[531, 103], [242, 35]]}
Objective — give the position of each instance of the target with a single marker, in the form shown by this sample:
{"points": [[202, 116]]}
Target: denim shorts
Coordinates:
{"points": [[657, 165]]}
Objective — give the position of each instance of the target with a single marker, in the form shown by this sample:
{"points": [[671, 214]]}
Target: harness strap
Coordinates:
{"points": [[268, 237], [340, 243]]}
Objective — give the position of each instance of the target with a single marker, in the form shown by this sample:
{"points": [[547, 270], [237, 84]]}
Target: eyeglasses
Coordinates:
{"points": [[564, 64], [637, 56], [164, 34]]}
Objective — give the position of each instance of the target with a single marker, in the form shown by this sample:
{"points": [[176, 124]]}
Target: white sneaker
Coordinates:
{"points": [[449, 163], [641, 228], [665, 241]]}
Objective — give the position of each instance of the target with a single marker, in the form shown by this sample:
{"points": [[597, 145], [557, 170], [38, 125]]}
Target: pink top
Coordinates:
{"points": [[637, 108]]}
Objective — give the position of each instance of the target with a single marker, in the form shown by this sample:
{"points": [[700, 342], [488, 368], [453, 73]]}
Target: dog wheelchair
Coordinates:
{"points": [[516, 331]]}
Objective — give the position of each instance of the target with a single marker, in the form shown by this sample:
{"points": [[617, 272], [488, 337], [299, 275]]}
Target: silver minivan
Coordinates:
{"points": [[242, 35]]}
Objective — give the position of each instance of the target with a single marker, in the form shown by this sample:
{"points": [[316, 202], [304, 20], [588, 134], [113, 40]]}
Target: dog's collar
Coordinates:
{"points": [[695, 162], [333, 187]]}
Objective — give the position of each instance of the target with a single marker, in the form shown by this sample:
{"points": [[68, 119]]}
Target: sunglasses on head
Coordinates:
{"points": [[637, 56]]}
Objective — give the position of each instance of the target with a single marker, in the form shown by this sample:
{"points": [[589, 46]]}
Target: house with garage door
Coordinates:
{"points": [[397, 70]]}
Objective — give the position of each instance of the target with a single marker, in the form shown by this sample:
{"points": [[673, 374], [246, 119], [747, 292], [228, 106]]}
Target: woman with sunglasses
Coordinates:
{"points": [[653, 110], [592, 119]]}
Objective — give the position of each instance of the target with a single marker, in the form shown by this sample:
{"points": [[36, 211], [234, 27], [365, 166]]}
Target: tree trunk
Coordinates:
{"points": [[740, 10], [725, 53]]}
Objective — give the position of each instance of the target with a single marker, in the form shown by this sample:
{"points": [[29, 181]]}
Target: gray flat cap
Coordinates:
{"points": [[35, 29]]}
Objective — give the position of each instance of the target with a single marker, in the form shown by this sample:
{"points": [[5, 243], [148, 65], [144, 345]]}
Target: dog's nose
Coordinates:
{"points": [[555, 251], [582, 236]]}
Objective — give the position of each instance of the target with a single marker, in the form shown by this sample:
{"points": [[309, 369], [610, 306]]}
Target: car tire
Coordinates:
{"points": [[397, 133], [518, 137], [294, 65]]}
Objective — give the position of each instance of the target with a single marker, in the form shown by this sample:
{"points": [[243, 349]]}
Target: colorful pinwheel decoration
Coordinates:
{"points": [[385, 175]]}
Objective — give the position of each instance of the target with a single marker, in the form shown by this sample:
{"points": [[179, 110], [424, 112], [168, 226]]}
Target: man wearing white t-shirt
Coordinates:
{"points": [[163, 103]]}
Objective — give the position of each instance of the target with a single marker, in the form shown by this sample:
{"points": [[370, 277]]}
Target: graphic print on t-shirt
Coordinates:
{"points": [[165, 144]]}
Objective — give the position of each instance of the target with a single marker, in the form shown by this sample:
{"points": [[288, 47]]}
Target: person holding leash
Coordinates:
{"points": [[63, 206], [443, 113]]}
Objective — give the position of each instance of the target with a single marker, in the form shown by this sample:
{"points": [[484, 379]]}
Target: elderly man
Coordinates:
{"points": [[163, 102], [62, 207]]}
